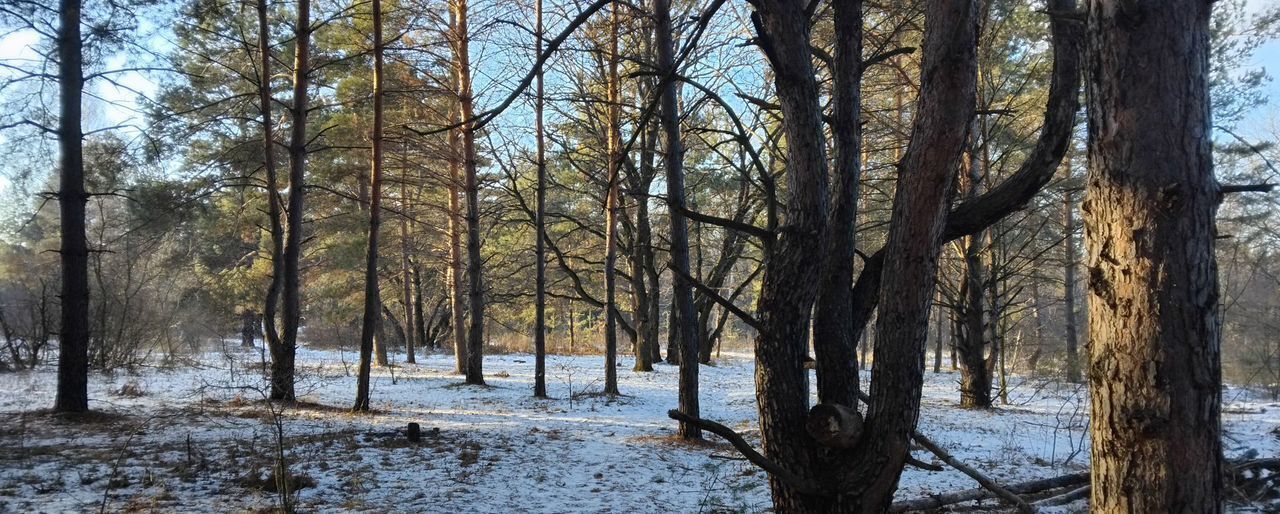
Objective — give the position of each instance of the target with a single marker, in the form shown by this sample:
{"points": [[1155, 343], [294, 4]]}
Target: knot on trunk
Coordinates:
{"points": [[834, 425]]}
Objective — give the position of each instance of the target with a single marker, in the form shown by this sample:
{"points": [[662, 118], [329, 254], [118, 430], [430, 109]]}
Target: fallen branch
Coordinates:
{"points": [[983, 480], [1063, 499], [1030, 487], [771, 467]]}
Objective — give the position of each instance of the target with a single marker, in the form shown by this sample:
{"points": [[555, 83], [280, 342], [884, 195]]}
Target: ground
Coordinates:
{"points": [[196, 436]]}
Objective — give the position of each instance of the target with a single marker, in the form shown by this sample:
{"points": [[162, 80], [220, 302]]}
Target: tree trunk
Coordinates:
{"points": [[73, 342], [971, 340], [406, 270], [937, 335], [248, 328], [1069, 291], [682, 290], [475, 278], [1154, 323], [457, 308], [369, 325], [276, 217], [834, 338], [611, 210], [540, 227], [283, 361]]}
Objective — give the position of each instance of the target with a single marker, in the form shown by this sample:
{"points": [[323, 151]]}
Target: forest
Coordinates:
{"points": [[578, 256]]}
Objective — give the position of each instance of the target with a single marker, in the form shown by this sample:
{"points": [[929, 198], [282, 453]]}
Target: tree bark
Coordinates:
{"points": [[475, 278], [1071, 259], [1151, 199], [274, 214], [282, 375], [540, 227], [406, 275], [611, 209], [835, 343], [457, 308], [372, 298], [682, 290], [73, 342]]}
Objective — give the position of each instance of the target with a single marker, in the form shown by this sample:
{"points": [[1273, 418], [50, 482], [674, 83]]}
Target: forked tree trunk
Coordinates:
{"points": [[371, 323], [282, 370], [274, 214], [1151, 199], [475, 278], [73, 342]]}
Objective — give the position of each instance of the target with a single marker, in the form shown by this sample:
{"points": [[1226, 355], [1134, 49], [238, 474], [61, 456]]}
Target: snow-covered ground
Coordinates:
{"points": [[198, 438]]}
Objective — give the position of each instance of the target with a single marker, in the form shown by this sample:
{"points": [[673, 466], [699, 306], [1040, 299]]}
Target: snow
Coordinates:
{"points": [[197, 437]]}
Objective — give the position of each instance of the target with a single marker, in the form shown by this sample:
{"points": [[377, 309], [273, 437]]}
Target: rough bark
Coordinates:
{"points": [[372, 318], [282, 370], [73, 341], [835, 342], [1154, 369]]}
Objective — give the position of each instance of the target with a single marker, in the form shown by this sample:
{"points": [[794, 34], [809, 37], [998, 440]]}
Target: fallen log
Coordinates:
{"points": [[1030, 487]]}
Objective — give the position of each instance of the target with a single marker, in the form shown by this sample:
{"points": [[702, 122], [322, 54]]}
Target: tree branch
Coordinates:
{"points": [[792, 480]]}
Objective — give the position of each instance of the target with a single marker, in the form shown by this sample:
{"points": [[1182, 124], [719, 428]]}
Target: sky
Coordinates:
{"points": [[1262, 123]]}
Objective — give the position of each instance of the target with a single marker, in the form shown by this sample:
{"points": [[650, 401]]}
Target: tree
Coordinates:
{"points": [[682, 289], [73, 342], [372, 303], [282, 358], [471, 186], [1149, 212], [613, 138], [540, 226]]}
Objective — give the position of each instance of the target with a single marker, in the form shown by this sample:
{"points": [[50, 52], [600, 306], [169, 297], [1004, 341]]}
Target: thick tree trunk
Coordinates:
{"points": [[540, 227], [1154, 326], [787, 293], [369, 325], [274, 214], [682, 290], [73, 342], [475, 277], [283, 360], [611, 209]]}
